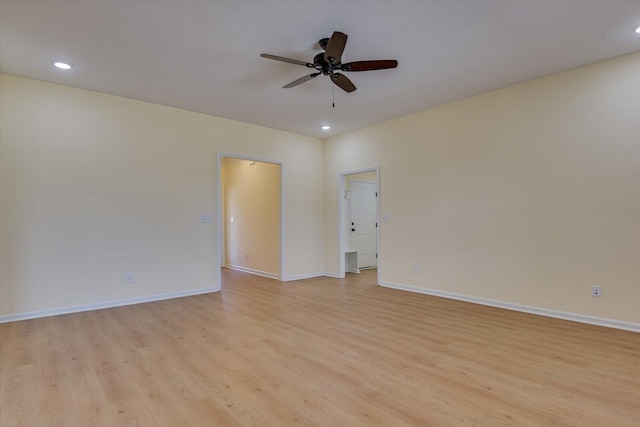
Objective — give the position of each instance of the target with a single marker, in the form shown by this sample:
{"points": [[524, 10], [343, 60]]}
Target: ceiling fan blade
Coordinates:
{"points": [[370, 65], [301, 80], [283, 59], [335, 47], [343, 82]]}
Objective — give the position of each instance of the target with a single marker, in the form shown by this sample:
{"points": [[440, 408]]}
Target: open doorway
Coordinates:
{"points": [[358, 221], [250, 209]]}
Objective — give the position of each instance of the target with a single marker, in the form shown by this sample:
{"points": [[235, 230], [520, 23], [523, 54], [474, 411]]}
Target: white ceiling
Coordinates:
{"points": [[204, 55]]}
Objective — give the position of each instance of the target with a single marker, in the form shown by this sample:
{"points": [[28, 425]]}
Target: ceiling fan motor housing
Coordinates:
{"points": [[325, 67]]}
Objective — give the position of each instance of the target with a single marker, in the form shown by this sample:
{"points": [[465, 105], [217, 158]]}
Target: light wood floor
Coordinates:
{"points": [[317, 352]]}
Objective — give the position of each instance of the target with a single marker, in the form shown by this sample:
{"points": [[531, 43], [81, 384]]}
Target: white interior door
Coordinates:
{"points": [[362, 222]]}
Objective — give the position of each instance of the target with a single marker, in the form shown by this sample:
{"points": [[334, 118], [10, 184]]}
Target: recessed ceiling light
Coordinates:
{"points": [[62, 65], [326, 127], [638, 29]]}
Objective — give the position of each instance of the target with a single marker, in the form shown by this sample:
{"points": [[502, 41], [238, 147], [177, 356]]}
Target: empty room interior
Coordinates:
{"points": [[320, 213]]}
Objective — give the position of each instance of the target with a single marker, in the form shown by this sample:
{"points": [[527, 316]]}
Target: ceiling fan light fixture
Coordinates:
{"points": [[62, 65]]}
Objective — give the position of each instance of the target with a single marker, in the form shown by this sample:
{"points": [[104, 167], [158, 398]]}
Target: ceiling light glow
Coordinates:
{"points": [[62, 65], [326, 127], [638, 29]]}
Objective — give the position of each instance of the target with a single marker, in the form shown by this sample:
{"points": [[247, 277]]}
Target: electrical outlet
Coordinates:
{"points": [[416, 269], [129, 278], [246, 256], [596, 291]]}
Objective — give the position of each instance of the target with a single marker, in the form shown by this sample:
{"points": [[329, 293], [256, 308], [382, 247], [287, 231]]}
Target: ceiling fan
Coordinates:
{"points": [[330, 62]]}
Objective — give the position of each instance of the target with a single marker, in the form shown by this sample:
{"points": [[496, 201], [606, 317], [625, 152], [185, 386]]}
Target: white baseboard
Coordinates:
{"points": [[303, 276], [332, 275], [109, 304], [610, 323], [253, 271]]}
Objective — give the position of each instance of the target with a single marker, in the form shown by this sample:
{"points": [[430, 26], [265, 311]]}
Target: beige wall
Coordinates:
{"points": [[94, 186], [252, 198], [528, 195]]}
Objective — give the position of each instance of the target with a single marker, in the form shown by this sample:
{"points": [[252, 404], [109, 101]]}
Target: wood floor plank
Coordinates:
{"points": [[54, 404], [91, 406], [134, 412], [18, 396], [315, 352], [17, 344]]}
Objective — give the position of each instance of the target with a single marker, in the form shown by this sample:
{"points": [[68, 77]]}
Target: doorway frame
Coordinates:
{"points": [[219, 226], [342, 222]]}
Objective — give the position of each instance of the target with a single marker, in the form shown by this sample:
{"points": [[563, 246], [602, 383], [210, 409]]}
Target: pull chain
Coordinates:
{"points": [[333, 95]]}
